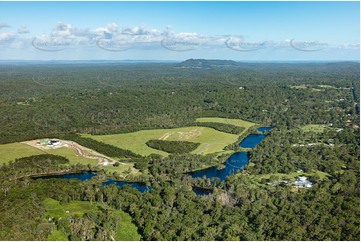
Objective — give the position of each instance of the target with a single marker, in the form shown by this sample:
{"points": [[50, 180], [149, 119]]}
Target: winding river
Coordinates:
{"points": [[84, 176], [234, 164]]}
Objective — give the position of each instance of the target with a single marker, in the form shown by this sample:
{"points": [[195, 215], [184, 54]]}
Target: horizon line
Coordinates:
{"points": [[167, 61]]}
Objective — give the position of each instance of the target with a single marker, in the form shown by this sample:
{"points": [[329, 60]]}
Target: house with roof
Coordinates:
{"points": [[303, 182]]}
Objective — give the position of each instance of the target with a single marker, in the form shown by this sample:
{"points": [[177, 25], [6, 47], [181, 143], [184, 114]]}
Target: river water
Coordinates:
{"points": [[234, 164]]}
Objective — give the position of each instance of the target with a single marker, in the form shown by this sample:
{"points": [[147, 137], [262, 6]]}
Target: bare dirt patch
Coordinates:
{"points": [[165, 136], [182, 135], [80, 150]]}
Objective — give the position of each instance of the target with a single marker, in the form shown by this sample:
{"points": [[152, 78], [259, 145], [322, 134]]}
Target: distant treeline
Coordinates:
{"points": [[106, 149], [173, 147], [109, 99], [227, 128]]}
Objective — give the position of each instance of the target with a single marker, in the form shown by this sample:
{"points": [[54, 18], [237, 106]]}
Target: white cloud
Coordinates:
{"points": [[349, 46], [63, 30], [6, 36], [23, 30], [112, 36]]}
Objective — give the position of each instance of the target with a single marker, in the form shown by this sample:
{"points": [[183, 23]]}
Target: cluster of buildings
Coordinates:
{"points": [[51, 142]]}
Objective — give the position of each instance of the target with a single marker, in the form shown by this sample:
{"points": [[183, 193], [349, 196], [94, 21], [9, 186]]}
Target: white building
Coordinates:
{"points": [[303, 182]]}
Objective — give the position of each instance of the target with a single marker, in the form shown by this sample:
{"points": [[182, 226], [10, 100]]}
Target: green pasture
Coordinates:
{"points": [[316, 128], [53, 209], [210, 140], [10, 152]]}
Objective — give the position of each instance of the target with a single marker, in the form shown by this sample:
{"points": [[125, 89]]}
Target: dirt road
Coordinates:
{"points": [[79, 150]]}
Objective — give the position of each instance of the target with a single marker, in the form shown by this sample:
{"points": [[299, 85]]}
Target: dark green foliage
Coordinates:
{"points": [[105, 99], [173, 147], [43, 160], [33, 165], [178, 164], [289, 151], [227, 128], [137, 97], [101, 224], [21, 210], [106, 149]]}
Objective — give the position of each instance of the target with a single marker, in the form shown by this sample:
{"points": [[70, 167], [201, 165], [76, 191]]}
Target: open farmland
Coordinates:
{"points": [[210, 140], [12, 151], [9, 152]]}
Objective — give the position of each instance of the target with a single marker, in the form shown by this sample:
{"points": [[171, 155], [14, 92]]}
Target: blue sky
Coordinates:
{"points": [[255, 31]]}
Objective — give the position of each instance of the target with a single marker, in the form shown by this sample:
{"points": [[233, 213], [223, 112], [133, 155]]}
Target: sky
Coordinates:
{"points": [[253, 31]]}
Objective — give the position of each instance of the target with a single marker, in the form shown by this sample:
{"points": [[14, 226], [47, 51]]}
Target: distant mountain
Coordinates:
{"points": [[203, 63]]}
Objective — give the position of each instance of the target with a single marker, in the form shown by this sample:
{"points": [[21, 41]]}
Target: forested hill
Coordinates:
{"points": [[329, 67]]}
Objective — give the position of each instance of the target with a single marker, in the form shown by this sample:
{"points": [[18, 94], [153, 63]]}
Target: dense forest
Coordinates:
{"points": [[228, 128], [106, 149], [116, 98], [66, 100], [173, 147]]}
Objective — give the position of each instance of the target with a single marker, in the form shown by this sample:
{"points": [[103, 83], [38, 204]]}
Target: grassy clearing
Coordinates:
{"points": [[126, 232], [121, 168], [333, 87], [53, 208], [73, 158], [9, 152], [57, 235], [303, 86], [210, 140], [316, 128], [81, 207], [56, 210]]}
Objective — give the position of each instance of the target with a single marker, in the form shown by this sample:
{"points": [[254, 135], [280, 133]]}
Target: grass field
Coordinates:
{"points": [[210, 140], [316, 128], [57, 235], [9, 152], [13, 151], [127, 230]]}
